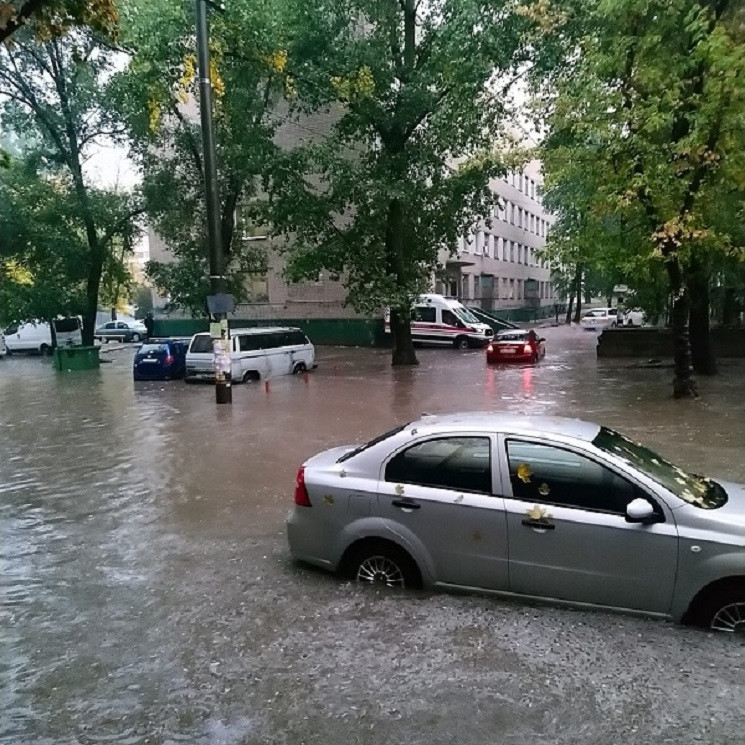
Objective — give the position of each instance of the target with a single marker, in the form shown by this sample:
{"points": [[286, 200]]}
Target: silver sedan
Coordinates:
{"points": [[542, 507]]}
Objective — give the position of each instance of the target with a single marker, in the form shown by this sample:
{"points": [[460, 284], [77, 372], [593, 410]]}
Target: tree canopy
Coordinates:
{"points": [[646, 119], [414, 95]]}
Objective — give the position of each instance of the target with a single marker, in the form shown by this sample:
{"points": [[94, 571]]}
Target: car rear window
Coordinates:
{"points": [[201, 344], [374, 441], [145, 348], [511, 336]]}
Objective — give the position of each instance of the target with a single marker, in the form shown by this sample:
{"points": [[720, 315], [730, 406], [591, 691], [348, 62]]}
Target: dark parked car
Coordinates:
{"points": [[133, 331], [161, 359]]}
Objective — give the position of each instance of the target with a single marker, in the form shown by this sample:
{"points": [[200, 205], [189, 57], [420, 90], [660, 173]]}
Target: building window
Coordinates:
{"points": [[512, 289], [490, 249], [512, 253], [519, 289], [466, 285], [519, 217]]}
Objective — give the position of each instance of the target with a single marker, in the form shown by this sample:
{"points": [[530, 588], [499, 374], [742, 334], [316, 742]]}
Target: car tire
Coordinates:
{"points": [[250, 376], [45, 349], [613, 325], [384, 564], [135, 338], [722, 608], [299, 368], [461, 342]]}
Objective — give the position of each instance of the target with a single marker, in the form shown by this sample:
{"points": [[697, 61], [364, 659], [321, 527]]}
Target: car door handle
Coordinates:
{"points": [[406, 504], [538, 525]]}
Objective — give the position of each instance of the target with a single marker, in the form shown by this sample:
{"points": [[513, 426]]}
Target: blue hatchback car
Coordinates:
{"points": [[161, 359]]}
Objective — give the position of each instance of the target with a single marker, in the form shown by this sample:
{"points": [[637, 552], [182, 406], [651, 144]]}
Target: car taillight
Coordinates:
{"points": [[527, 349], [490, 348], [301, 493]]}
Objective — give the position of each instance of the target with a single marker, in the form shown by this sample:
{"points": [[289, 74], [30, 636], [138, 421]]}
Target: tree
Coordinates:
{"points": [[649, 100], [43, 253], [158, 91], [49, 18], [415, 92], [54, 93]]}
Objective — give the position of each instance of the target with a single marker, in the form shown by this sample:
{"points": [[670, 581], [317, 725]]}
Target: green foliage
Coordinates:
{"points": [[54, 95], [401, 164], [49, 18], [159, 95], [646, 113]]}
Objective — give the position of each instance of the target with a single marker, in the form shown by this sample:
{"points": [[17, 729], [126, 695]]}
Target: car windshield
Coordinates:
{"points": [[201, 343], [694, 489], [465, 315], [374, 441]]}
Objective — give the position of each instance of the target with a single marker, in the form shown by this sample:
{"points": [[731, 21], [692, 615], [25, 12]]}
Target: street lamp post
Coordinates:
{"points": [[221, 340]]}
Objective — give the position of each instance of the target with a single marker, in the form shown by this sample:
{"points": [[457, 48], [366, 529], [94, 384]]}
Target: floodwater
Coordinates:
{"points": [[146, 594]]}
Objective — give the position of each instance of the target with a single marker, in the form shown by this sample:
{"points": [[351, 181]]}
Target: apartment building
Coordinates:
{"points": [[498, 264]]}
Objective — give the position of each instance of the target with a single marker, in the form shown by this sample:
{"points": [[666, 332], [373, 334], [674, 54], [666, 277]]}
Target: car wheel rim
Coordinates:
{"points": [[379, 570], [730, 618]]}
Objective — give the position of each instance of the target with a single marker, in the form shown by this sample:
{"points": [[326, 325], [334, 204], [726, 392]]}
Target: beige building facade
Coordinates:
{"points": [[498, 264]]}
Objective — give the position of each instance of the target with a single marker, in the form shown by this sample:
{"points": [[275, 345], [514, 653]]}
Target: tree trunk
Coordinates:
{"points": [[684, 383], [570, 309], [578, 290], [702, 350], [403, 346]]}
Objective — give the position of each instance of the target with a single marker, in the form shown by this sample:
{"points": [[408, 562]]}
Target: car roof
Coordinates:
{"points": [[506, 422], [257, 330], [510, 332]]}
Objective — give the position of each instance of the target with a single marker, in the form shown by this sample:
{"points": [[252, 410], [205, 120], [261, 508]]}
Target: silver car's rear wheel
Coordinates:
{"points": [[380, 570], [381, 563], [730, 618]]}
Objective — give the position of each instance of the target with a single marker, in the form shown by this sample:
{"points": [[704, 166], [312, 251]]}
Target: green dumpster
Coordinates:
{"points": [[76, 358]]}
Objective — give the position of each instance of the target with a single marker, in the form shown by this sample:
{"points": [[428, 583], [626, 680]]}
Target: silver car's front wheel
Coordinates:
{"points": [[730, 618], [380, 570]]}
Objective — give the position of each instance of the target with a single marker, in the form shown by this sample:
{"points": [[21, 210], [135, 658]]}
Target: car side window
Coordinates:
{"points": [[460, 463], [552, 475], [110, 326], [449, 318], [122, 325], [424, 314], [248, 343]]}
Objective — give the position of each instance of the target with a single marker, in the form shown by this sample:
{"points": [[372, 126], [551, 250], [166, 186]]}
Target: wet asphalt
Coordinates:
{"points": [[147, 595]]}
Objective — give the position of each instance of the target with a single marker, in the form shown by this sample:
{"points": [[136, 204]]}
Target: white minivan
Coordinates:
{"points": [[255, 353], [443, 321], [36, 336]]}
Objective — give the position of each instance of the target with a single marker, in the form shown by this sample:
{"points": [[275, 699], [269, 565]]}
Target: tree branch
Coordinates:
{"points": [[119, 225], [29, 8], [191, 144]]}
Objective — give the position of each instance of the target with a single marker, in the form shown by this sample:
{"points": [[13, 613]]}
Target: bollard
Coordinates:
{"points": [[305, 377], [266, 386]]}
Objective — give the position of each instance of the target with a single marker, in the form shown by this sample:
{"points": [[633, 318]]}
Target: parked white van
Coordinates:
{"points": [[436, 319], [3, 348], [36, 336], [255, 353]]}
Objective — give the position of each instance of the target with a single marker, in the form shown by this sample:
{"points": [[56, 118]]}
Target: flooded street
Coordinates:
{"points": [[147, 595]]}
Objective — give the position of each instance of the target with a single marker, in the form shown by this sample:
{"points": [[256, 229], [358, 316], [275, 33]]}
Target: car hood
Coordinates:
{"points": [[727, 521]]}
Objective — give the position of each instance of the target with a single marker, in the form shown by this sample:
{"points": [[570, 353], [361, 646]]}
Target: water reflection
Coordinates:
{"points": [[142, 525]]}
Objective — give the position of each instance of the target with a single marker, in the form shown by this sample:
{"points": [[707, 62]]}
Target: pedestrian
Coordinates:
{"points": [[149, 324]]}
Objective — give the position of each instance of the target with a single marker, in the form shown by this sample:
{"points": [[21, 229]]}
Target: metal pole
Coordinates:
{"points": [[223, 390]]}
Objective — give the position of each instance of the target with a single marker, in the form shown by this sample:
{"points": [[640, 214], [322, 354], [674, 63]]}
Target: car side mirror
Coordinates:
{"points": [[640, 511], [542, 339]]}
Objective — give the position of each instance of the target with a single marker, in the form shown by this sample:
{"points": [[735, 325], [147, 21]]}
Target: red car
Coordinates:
{"points": [[515, 345]]}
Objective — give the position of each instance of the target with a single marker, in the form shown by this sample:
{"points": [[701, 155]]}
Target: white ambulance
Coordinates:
{"points": [[442, 321]]}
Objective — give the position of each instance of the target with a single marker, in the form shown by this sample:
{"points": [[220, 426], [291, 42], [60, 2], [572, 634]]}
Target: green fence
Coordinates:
{"points": [[353, 332]]}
